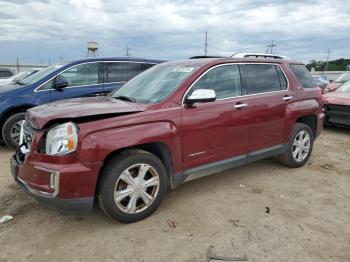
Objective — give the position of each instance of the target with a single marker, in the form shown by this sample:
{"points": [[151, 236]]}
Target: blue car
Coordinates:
{"points": [[76, 78]]}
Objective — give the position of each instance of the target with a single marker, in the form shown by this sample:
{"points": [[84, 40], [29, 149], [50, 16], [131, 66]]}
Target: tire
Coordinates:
{"points": [[298, 159], [113, 179], [10, 129]]}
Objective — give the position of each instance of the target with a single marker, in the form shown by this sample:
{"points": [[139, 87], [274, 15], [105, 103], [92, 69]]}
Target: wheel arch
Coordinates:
{"points": [[310, 120], [11, 111], [159, 149]]}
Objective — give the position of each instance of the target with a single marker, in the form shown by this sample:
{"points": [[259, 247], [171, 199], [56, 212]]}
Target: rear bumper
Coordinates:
{"points": [[36, 182]]}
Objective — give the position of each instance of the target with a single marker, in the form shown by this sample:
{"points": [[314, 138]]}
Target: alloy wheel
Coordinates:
{"points": [[16, 131], [301, 146], [136, 188]]}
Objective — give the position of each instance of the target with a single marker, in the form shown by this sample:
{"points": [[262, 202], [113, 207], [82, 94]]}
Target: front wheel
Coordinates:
{"points": [[11, 130], [299, 147], [132, 186]]}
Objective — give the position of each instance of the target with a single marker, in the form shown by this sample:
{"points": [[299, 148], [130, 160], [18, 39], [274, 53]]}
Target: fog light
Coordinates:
{"points": [[54, 180]]}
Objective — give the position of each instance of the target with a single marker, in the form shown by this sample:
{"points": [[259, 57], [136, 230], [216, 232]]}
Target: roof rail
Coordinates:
{"points": [[259, 55], [204, 56]]}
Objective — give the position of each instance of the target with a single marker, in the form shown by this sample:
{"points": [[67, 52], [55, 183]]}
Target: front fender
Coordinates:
{"points": [[96, 146]]}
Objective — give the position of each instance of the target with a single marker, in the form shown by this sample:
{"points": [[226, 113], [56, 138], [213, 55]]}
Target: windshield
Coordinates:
{"points": [[343, 78], [40, 74], [155, 84], [22, 76], [344, 88]]}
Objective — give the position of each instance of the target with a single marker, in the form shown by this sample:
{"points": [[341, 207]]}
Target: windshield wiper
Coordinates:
{"points": [[125, 98], [19, 82]]}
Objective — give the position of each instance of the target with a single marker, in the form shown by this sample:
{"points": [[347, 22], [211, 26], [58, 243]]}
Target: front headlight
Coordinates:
{"points": [[62, 139]]}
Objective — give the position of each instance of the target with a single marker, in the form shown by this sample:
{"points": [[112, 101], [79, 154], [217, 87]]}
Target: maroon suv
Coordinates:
{"points": [[175, 122]]}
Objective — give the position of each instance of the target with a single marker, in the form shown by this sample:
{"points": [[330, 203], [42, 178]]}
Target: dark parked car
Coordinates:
{"points": [[337, 106], [176, 122], [5, 73], [77, 78]]}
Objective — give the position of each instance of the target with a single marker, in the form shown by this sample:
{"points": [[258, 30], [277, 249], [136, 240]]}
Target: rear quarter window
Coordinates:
{"points": [[263, 78], [303, 75]]}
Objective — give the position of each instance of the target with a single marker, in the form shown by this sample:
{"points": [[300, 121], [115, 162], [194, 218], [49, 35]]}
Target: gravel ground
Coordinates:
{"points": [[308, 219]]}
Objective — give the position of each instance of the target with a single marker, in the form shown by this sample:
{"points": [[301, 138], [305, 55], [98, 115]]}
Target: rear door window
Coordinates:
{"points": [[264, 78], [303, 75], [123, 71]]}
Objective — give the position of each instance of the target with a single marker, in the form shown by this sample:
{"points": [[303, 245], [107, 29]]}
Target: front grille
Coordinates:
{"points": [[338, 114], [28, 134], [341, 108]]}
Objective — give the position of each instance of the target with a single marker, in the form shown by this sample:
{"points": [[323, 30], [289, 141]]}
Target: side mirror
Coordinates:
{"points": [[60, 83], [202, 96]]}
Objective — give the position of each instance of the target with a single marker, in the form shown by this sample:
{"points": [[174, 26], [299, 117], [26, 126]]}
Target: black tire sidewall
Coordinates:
{"points": [[6, 129], [111, 173], [298, 128]]}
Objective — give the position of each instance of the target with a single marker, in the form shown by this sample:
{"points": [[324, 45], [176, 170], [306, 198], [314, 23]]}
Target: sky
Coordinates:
{"points": [[43, 31]]}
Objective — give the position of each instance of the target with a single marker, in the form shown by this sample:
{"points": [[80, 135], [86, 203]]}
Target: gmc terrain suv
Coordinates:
{"points": [[173, 123]]}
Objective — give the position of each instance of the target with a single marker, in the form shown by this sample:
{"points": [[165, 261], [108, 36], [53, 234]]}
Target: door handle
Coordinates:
{"points": [[287, 98], [240, 105]]}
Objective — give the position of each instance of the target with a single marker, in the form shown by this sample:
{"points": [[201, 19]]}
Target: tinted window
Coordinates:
{"points": [[224, 80], [262, 78], [122, 72], [283, 80], [303, 76], [85, 74], [5, 73]]}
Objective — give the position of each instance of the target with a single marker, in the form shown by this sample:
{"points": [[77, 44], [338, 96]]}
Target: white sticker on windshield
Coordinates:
{"points": [[186, 69]]}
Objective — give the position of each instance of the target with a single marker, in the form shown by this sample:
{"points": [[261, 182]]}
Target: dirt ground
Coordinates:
{"points": [[309, 218]]}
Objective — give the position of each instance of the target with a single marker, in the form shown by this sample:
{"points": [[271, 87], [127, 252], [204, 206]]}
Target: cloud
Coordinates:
{"points": [[173, 29]]}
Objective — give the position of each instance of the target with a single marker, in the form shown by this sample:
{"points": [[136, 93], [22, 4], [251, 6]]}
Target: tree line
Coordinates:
{"points": [[334, 65]]}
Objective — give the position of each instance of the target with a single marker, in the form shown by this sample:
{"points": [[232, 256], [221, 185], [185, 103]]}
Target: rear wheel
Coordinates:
{"points": [[132, 186], [11, 130], [300, 146]]}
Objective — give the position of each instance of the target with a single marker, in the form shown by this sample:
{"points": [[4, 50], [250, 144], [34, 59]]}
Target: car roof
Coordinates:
{"points": [[113, 58], [212, 61]]}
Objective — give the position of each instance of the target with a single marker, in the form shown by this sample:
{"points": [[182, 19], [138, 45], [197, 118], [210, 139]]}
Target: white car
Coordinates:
{"points": [[17, 77]]}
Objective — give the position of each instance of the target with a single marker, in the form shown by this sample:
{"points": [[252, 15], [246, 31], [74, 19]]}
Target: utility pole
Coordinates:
{"points": [[17, 65], [206, 44], [329, 51], [127, 49], [270, 47]]}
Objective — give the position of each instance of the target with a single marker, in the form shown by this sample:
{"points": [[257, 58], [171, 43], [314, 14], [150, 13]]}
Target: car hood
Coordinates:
{"points": [[79, 108], [333, 86], [337, 98], [4, 88]]}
